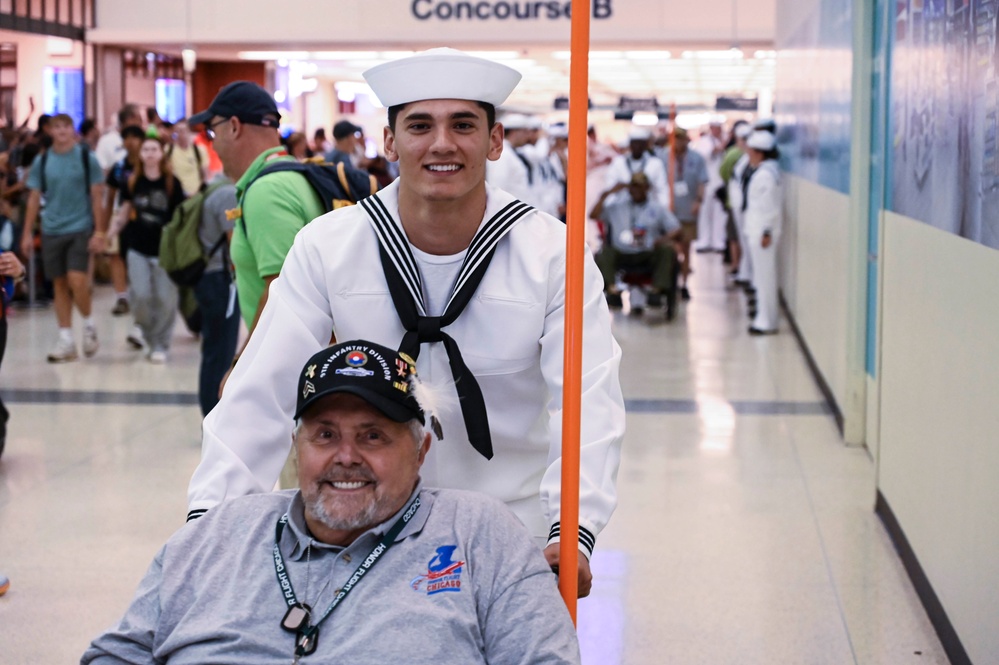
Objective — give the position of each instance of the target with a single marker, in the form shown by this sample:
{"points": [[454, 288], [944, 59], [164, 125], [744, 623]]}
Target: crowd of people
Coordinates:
{"points": [[659, 196], [353, 287]]}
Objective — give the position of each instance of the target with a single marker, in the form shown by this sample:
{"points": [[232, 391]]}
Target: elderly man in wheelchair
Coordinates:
{"points": [[639, 247]]}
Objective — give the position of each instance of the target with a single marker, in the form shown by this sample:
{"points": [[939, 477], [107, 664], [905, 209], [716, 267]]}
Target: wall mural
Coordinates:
{"points": [[945, 116], [812, 105]]}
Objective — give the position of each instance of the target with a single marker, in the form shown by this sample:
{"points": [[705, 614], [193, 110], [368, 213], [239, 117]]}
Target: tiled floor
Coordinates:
{"points": [[745, 533]]}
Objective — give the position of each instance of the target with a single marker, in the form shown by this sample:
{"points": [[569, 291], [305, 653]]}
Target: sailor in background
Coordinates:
{"points": [[763, 219], [638, 159], [513, 172]]}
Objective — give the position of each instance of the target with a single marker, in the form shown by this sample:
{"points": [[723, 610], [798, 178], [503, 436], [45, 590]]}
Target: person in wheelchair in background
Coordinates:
{"points": [[640, 238]]}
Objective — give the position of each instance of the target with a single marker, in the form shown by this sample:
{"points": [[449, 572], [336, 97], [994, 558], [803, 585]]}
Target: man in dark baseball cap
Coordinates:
{"points": [[344, 143], [244, 100], [377, 374]]}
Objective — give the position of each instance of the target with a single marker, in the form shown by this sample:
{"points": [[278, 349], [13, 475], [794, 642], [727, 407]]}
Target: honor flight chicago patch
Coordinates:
{"points": [[443, 573]]}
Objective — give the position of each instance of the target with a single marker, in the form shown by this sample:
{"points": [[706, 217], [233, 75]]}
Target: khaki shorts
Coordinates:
{"points": [[689, 231], [65, 253]]}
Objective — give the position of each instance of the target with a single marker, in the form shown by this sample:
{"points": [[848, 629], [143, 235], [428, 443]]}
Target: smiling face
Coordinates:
{"points": [[442, 146], [356, 467]]}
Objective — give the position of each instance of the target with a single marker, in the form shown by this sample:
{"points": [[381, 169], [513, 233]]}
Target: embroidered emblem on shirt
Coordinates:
{"points": [[308, 389], [443, 574], [356, 359], [232, 214]]}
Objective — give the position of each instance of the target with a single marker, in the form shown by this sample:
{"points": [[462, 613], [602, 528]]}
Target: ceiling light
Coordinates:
{"points": [[273, 55], [648, 55], [494, 55], [727, 54], [342, 55]]}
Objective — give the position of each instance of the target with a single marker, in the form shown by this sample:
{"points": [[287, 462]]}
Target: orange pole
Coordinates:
{"points": [[573, 354], [671, 171]]}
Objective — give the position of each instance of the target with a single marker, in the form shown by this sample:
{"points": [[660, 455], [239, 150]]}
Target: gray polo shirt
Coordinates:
{"points": [[691, 173], [215, 221], [212, 595], [635, 227]]}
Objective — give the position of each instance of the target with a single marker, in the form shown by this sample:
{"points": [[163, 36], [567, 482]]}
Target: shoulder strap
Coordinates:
{"points": [[85, 153], [41, 165]]}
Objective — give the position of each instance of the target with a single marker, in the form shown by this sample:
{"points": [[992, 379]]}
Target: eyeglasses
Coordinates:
{"points": [[210, 129]]}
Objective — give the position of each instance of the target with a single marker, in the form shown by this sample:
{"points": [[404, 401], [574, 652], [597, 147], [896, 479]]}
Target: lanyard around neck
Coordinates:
{"points": [[288, 591]]}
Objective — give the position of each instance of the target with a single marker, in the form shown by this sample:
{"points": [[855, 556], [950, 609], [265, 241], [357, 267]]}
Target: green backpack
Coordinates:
{"points": [[181, 253]]}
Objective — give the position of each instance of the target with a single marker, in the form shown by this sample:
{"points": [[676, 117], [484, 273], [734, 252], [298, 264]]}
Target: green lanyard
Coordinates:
{"points": [[297, 619]]}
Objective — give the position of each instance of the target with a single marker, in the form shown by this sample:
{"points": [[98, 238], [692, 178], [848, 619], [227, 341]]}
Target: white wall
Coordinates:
{"points": [[32, 59], [389, 22], [939, 458], [813, 274]]}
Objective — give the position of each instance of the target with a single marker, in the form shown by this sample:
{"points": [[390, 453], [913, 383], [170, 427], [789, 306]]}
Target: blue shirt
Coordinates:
{"points": [[67, 207], [635, 227]]}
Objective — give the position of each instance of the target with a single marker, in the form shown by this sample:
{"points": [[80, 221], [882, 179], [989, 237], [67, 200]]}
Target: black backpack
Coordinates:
{"points": [[337, 185]]}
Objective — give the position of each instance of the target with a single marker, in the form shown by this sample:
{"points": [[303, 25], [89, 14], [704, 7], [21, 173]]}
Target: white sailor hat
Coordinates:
{"points": [[442, 73], [639, 134], [767, 124], [558, 131], [515, 121], [743, 131], [534, 122], [761, 140]]}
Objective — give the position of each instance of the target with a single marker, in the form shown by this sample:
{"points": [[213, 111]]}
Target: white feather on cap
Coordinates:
{"points": [[442, 73]]}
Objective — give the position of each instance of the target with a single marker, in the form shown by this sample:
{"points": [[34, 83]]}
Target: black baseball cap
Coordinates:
{"points": [[244, 100], [344, 128], [375, 373]]}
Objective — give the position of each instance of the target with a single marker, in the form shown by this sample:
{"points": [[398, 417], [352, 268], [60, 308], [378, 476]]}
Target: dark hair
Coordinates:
{"points": [[132, 132], [128, 111], [393, 113], [87, 126]]}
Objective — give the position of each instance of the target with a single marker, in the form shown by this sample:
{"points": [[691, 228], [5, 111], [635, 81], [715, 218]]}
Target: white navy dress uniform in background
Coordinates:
{"points": [[510, 335], [513, 172], [735, 197], [763, 215], [523, 171], [624, 166]]}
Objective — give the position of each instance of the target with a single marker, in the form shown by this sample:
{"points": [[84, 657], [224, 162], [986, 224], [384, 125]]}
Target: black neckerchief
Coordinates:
{"points": [[406, 287]]}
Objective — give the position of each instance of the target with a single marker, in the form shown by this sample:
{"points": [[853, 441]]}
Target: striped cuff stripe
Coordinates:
{"points": [[586, 537]]}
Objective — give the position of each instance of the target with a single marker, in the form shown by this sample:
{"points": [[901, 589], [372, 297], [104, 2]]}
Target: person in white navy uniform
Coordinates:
{"points": [[519, 170], [762, 220], [638, 159], [462, 277]]}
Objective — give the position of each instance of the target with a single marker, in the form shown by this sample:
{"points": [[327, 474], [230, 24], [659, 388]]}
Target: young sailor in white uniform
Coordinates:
{"points": [[462, 277], [763, 219]]}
